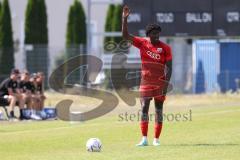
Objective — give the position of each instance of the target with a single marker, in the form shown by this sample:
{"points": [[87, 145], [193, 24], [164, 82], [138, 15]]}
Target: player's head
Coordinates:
{"points": [[25, 76], [14, 74], [153, 32], [40, 76], [33, 78]]}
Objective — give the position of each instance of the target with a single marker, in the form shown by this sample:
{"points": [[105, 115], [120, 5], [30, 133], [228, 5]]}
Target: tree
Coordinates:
{"points": [[117, 23], [109, 22], [76, 36], [36, 31], [36, 34], [76, 27], [1, 61], [6, 40], [113, 24]]}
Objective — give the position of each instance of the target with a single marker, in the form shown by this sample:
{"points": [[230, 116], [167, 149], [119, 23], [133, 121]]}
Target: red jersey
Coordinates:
{"points": [[154, 58]]}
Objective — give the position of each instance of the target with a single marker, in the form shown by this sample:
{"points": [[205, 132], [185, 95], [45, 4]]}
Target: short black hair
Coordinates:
{"points": [[15, 71], [151, 27]]}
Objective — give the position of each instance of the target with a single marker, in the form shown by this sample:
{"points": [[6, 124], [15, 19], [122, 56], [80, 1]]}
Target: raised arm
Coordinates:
{"points": [[125, 14]]}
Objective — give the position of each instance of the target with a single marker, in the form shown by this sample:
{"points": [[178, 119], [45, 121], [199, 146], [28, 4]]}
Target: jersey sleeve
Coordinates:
{"points": [[9, 84], [20, 85], [33, 88], [168, 53], [137, 41]]}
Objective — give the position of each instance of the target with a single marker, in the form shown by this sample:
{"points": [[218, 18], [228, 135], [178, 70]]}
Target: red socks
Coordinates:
{"points": [[158, 129], [144, 127]]}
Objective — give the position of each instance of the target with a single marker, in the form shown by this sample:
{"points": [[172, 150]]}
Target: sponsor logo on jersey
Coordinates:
{"points": [[159, 50], [153, 55]]}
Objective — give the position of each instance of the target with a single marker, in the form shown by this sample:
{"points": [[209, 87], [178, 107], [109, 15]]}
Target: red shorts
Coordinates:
{"points": [[150, 91]]}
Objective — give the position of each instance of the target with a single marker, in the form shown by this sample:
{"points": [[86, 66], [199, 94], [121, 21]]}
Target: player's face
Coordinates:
{"points": [[14, 76], [25, 77], [154, 36], [40, 77]]}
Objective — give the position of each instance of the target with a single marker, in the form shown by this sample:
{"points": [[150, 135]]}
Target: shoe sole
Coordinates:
{"points": [[141, 145]]}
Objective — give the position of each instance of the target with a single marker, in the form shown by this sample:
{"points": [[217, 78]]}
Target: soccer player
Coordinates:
{"points": [[9, 90], [156, 70], [25, 89], [40, 89], [35, 98]]}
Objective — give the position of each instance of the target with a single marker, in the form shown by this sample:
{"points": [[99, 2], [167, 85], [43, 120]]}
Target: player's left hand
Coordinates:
{"points": [[126, 11]]}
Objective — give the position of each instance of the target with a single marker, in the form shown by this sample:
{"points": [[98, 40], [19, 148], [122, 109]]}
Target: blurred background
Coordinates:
{"points": [[40, 35]]}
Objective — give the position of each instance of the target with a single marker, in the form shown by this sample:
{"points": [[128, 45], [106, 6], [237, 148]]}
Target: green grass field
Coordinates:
{"points": [[213, 133]]}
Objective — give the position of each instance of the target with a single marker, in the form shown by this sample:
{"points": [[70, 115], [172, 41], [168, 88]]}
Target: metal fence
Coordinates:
{"points": [[190, 74]]}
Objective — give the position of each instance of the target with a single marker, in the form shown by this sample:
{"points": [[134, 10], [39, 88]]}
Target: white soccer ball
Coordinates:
{"points": [[94, 145]]}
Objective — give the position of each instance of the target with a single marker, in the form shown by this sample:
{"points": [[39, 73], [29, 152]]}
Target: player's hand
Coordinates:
{"points": [[146, 74], [165, 89], [126, 11]]}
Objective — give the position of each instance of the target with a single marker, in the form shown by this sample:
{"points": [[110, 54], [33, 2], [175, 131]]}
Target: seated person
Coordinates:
{"points": [[36, 101], [40, 89], [9, 91], [25, 87]]}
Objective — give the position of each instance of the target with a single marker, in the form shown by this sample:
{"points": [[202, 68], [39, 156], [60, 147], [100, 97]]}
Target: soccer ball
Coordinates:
{"points": [[94, 145]]}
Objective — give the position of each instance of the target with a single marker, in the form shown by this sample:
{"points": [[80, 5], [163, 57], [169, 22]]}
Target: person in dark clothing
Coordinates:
{"points": [[40, 89], [9, 90], [25, 87]]}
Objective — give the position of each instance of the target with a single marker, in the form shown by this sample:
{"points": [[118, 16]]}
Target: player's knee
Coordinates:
{"points": [[144, 109], [13, 99], [144, 117], [158, 105], [158, 116], [145, 106]]}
